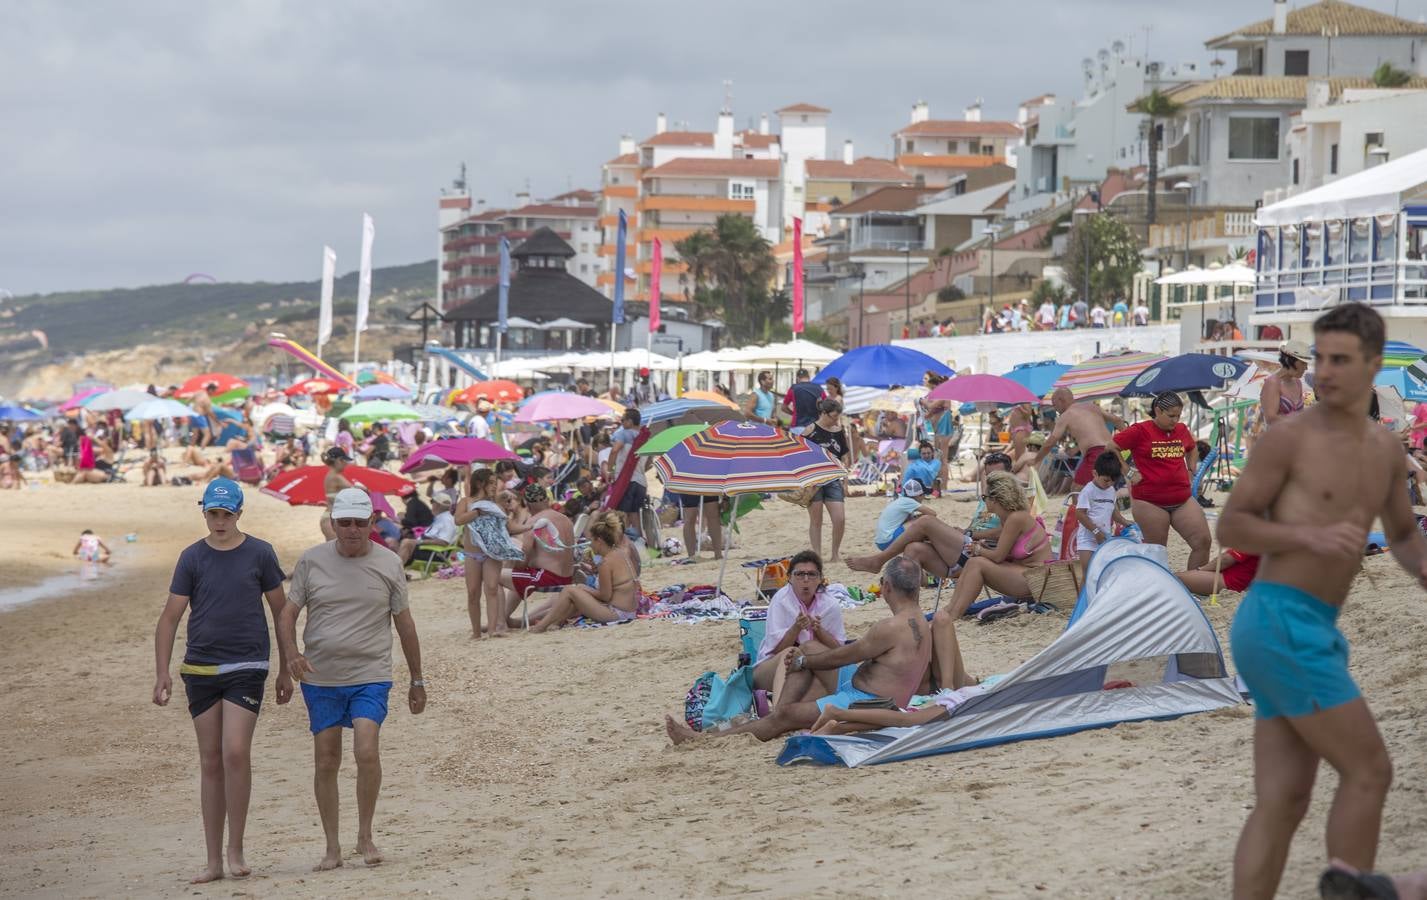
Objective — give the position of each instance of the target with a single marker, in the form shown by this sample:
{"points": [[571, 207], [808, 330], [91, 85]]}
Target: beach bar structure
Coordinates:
{"points": [[1361, 239]]}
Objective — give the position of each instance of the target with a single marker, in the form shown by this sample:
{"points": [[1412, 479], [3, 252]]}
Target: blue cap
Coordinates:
{"points": [[223, 493]]}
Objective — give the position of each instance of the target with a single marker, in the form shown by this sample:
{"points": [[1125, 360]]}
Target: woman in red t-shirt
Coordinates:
{"points": [[1163, 450], [1236, 571]]}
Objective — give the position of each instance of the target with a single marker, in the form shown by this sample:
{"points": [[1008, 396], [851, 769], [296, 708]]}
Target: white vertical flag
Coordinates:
{"points": [[324, 315], [364, 275]]}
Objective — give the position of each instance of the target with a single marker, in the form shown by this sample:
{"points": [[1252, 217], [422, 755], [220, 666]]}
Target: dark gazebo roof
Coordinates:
{"points": [[540, 289]]}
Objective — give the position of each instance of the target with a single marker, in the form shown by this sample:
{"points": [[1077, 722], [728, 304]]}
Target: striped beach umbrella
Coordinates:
{"points": [[1105, 375], [743, 458], [1400, 354], [669, 410]]}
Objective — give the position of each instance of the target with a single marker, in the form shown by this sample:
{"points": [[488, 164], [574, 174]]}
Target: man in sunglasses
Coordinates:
{"points": [[884, 665], [354, 591]]}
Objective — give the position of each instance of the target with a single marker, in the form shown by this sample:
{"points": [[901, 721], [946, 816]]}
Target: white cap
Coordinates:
{"points": [[351, 503]]}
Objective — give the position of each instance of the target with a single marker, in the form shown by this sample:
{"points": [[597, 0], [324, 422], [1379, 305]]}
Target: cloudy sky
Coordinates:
{"points": [[148, 140]]}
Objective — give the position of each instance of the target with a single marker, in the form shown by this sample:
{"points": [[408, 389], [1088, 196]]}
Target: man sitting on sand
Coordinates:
{"points": [[549, 548], [888, 662], [1084, 422]]}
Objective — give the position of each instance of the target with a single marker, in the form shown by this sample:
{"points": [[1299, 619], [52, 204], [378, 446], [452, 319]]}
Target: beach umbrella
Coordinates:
{"points": [[669, 410], [75, 401], [1189, 372], [18, 414], [314, 386], [461, 451], [121, 400], [496, 391], [379, 411], [382, 391], [711, 396], [303, 486], [983, 389], [882, 365], [222, 387], [743, 458], [902, 401], [1405, 381], [1037, 377], [1105, 375], [857, 400], [666, 439], [1400, 354], [158, 408], [559, 405], [614, 406]]}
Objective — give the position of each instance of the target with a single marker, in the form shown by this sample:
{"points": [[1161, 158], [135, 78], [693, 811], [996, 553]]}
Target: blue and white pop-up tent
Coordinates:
{"points": [[1134, 621]]}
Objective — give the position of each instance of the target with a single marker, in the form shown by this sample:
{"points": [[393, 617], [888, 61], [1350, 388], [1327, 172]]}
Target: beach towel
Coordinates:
{"points": [[626, 472]]}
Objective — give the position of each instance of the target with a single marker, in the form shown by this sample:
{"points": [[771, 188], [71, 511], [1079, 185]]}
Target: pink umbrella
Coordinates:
{"points": [[982, 389], [382, 505], [75, 401], [557, 406], [454, 452]]}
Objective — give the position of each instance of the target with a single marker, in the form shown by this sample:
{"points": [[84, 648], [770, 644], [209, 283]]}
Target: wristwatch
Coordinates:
{"points": [[418, 682]]}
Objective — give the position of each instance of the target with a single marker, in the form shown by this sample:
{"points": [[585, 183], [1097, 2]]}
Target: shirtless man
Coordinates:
{"points": [[203, 411], [933, 544], [1084, 422], [549, 552], [888, 661], [332, 483], [1311, 489]]}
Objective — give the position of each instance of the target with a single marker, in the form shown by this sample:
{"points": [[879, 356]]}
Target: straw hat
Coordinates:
{"points": [[1296, 349]]}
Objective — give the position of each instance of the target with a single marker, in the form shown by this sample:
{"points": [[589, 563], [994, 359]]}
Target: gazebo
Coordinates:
{"points": [[550, 310]]}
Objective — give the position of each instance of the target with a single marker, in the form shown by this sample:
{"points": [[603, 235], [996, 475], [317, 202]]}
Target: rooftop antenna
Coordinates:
{"points": [[461, 181], [728, 95]]}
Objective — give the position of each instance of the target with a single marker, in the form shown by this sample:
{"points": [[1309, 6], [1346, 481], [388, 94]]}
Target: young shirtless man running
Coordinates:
{"points": [[1307, 513]]}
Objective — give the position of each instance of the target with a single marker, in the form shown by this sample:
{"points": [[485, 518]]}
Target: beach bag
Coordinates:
{"points": [[803, 498], [1057, 582], [712, 700]]}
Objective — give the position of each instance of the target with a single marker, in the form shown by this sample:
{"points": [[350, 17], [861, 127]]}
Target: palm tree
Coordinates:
{"points": [[1389, 76], [1157, 106], [738, 262]]}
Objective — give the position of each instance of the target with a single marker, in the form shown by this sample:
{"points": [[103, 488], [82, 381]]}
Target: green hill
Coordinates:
{"points": [[77, 322]]}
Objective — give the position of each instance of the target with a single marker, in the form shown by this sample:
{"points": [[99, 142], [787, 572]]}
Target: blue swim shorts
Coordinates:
{"points": [[1289, 651], [883, 545], [330, 706], [846, 694]]}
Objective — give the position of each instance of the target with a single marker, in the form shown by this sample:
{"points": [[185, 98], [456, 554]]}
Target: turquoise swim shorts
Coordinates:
{"points": [[1289, 651], [846, 694]]}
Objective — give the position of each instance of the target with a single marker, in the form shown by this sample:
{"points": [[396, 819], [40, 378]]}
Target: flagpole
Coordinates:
{"points": [[617, 313]]}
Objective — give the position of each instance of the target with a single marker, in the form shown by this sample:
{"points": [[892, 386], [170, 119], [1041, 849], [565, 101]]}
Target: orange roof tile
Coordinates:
{"points": [[555, 211], [627, 159], [679, 139], [1269, 87], [956, 128], [803, 108], [959, 161], [731, 168], [867, 168], [887, 199], [759, 141], [1331, 16]]}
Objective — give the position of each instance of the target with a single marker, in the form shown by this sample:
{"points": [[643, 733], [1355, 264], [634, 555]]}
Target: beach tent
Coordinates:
{"points": [[1133, 622]]}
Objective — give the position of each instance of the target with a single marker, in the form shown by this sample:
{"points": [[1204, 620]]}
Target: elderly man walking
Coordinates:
{"points": [[353, 591]]}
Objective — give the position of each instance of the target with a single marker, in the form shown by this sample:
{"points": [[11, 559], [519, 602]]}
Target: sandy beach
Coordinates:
{"points": [[541, 768]]}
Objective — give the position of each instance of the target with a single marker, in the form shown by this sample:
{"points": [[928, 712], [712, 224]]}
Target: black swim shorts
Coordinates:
{"points": [[243, 688]]}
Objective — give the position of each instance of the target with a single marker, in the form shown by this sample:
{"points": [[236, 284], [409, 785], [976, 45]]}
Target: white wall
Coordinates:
{"points": [[1349, 55], [1401, 117], [1226, 182]]}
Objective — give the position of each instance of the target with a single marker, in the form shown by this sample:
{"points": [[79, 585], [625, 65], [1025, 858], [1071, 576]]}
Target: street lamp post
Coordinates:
{"points": [[907, 284], [861, 310], [994, 231], [1187, 188]]}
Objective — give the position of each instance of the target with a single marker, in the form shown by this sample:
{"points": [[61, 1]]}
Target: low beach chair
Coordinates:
{"points": [[438, 555]]}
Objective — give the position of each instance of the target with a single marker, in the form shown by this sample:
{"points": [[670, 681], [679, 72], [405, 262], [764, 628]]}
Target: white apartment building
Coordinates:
{"points": [[1365, 128]]}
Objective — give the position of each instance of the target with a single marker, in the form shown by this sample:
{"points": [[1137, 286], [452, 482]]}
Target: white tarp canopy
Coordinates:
{"points": [[785, 354], [997, 353], [1372, 192], [1222, 275], [1132, 611]]}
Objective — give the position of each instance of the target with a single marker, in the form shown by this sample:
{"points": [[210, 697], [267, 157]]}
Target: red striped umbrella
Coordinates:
{"points": [[743, 458], [1105, 375]]}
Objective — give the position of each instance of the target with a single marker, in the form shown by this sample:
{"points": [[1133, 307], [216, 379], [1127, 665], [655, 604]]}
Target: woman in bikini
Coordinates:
{"points": [[1023, 545], [333, 483], [1019, 424], [615, 597], [1163, 453], [1283, 392]]}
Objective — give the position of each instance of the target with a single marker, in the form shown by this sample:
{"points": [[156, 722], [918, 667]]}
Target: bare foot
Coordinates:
{"points": [[237, 867], [677, 731], [500, 633], [212, 873], [477, 637], [861, 564], [333, 860], [370, 854]]}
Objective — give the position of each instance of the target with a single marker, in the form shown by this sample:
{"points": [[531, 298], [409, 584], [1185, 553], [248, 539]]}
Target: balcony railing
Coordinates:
{"points": [[1208, 225]]}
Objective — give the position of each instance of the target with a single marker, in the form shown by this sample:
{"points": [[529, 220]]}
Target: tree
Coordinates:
{"points": [[1048, 291], [732, 268], [1157, 106], [950, 294], [1114, 255], [1389, 76]]}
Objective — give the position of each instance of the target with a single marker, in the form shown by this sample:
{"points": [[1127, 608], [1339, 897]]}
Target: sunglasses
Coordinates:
{"points": [[349, 523], [806, 574]]}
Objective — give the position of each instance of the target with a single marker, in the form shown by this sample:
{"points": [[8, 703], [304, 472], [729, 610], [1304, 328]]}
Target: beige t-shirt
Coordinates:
{"points": [[350, 602]]}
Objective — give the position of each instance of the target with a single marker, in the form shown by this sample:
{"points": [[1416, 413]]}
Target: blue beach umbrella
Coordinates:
{"points": [[669, 410], [1189, 372], [18, 414], [382, 391], [1404, 381], [882, 366], [1037, 377]]}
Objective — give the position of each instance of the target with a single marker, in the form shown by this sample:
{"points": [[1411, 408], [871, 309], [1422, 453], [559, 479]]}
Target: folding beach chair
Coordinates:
{"points": [[247, 467], [437, 555]]}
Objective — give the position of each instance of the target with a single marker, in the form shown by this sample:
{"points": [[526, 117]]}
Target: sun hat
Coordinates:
{"points": [[223, 493], [1296, 349], [351, 503]]}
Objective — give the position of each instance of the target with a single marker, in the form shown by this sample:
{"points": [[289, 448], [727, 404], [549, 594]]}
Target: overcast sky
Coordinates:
{"points": [[147, 140]]}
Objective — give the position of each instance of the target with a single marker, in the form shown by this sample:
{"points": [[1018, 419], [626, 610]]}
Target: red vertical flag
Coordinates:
{"points": [[797, 276], [656, 269]]}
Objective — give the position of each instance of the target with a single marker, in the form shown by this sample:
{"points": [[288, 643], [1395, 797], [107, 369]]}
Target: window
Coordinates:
{"points": [[1253, 137], [1333, 159], [1295, 62], [974, 146], [1295, 171], [911, 146], [740, 190]]}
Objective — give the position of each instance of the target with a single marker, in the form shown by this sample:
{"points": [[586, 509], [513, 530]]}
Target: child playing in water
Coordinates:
{"points": [[90, 548], [489, 545]]}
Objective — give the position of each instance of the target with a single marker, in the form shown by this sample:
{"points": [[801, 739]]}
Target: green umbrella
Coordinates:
{"points": [[379, 411], [665, 440]]}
